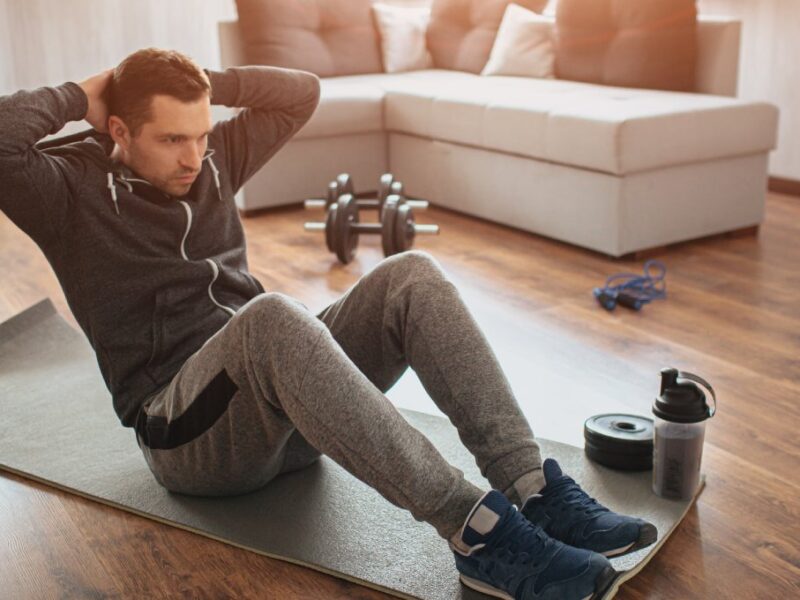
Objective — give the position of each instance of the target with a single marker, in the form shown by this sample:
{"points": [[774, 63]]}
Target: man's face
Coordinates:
{"points": [[168, 149]]}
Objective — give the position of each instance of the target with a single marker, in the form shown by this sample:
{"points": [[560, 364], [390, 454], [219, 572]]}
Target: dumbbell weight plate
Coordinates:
{"points": [[345, 185], [345, 238], [398, 190], [330, 220], [333, 193], [395, 189], [385, 187], [619, 441], [404, 228], [388, 217]]}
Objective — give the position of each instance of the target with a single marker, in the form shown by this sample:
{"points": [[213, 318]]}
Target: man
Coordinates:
{"points": [[227, 386]]}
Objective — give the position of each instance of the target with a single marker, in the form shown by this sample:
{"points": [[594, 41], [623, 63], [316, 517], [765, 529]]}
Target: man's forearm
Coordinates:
{"points": [[293, 92], [29, 115]]}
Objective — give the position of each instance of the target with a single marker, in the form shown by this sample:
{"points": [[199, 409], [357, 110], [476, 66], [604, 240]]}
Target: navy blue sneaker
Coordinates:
{"points": [[504, 555], [570, 515]]}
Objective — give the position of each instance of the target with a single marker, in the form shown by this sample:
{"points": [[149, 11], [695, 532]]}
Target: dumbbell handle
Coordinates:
{"points": [[426, 228], [365, 203], [375, 228], [359, 227], [373, 203], [420, 204]]}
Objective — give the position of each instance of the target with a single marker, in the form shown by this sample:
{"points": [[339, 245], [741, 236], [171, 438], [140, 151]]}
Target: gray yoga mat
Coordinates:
{"points": [[58, 427]]}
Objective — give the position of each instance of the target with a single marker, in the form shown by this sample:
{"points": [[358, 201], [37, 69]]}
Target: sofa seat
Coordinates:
{"points": [[607, 129], [347, 105], [355, 103]]}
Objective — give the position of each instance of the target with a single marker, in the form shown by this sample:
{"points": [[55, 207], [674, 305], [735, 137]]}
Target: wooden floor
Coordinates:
{"points": [[732, 316]]}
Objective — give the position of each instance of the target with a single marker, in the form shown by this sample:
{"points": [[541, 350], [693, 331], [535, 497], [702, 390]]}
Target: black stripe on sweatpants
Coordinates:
{"points": [[201, 415]]}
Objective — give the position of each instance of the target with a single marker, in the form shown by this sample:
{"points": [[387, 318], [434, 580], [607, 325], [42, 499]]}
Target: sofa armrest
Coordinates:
{"points": [[231, 44], [718, 40]]}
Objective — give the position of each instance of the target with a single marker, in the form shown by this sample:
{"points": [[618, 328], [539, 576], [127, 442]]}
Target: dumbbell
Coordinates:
{"points": [[342, 227], [343, 184]]}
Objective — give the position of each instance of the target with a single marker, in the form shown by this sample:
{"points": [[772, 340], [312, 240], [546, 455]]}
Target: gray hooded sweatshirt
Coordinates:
{"points": [[148, 277]]}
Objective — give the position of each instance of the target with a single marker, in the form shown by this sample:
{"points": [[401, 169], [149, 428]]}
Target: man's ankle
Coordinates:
{"points": [[525, 486]]}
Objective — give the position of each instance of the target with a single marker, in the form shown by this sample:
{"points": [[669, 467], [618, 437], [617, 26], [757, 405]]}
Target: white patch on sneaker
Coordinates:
{"points": [[484, 520]]}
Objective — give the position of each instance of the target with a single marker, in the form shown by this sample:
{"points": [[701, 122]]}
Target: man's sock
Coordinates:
{"points": [[527, 485]]}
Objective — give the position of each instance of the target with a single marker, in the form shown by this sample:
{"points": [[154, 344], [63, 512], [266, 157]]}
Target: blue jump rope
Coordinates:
{"points": [[631, 290]]}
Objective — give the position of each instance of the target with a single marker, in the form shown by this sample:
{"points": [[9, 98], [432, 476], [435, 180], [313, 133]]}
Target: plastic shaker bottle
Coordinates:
{"points": [[680, 413]]}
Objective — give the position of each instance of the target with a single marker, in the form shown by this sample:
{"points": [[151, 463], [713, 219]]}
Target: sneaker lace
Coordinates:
{"points": [[566, 496], [522, 543]]}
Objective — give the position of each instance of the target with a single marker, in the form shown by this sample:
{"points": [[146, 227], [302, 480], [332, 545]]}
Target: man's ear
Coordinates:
{"points": [[119, 132]]}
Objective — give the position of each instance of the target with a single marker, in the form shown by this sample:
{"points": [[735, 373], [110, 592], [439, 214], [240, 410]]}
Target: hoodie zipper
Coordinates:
{"points": [[126, 181], [214, 267]]}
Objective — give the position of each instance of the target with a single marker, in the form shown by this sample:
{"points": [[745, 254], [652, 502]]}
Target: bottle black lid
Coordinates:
{"points": [[682, 402]]}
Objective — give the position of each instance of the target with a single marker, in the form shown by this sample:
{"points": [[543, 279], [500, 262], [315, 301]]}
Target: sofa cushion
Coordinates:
{"points": [[523, 46], [326, 37], [402, 32], [604, 128], [461, 32], [629, 43]]}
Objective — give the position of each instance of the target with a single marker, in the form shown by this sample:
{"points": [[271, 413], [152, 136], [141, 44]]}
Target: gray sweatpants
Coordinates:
{"points": [[277, 386]]}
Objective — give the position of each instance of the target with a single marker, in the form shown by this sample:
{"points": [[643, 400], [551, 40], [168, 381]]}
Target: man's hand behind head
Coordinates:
{"points": [[96, 89]]}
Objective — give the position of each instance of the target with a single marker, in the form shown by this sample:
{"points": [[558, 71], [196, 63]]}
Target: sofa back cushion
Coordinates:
{"points": [[461, 32], [629, 43], [326, 37]]}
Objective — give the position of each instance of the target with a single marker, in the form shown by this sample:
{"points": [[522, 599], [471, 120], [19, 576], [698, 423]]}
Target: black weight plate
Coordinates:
{"points": [[330, 220], [388, 218], [619, 441], [404, 228], [346, 238], [332, 193], [345, 184], [385, 187], [623, 462], [398, 189]]}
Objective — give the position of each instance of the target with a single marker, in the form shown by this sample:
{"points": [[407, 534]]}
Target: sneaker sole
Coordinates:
{"points": [[484, 588], [647, 535], [604, 582], [601, 584]]}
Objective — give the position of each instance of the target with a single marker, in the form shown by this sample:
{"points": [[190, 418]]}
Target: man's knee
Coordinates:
{"points": [[278, 332], [419, 264], [272, 306], [272, 316]]}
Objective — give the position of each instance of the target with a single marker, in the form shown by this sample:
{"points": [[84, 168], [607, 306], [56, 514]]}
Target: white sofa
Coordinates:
{"points": [[616, 170]]}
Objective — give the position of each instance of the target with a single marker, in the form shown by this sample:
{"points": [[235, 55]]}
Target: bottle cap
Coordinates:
{"points": [[683, 402]]}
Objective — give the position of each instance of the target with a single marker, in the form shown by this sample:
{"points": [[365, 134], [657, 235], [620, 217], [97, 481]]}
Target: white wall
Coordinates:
{"points": [[769, 67], [48, 42]]}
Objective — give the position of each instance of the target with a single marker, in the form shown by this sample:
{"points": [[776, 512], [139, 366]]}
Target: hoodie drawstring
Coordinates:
{"points": [[216, 176], [126, 182], [113, 189]]}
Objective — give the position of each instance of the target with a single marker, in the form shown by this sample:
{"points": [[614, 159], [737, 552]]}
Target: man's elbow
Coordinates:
{"points": [[312, 101]]}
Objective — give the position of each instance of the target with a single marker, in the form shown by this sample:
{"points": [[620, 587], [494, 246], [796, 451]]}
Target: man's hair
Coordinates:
{"points": [[149, 72]]}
